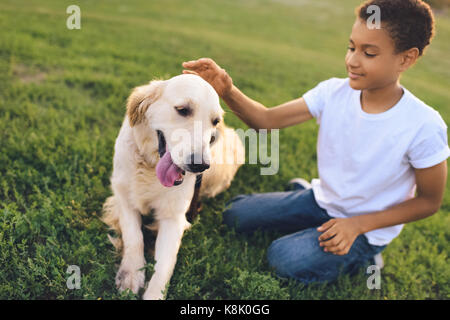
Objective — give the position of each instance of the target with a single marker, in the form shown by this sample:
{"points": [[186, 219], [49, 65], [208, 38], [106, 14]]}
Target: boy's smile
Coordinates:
{"points": [[374, 66], [371, 61]]}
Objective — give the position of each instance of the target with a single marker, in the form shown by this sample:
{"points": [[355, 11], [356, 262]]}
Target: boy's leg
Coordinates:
{"points": [[299, 256], [284, 211]]}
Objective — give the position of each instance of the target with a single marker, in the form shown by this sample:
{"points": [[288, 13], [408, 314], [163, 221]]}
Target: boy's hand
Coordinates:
{"points": [[338, 235], [217, 77]]}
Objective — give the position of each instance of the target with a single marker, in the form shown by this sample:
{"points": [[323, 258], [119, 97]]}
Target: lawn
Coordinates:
{"points": [[62, 101]]}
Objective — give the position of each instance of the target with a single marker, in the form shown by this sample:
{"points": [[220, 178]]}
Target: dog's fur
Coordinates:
{"points": [[136, 188]]}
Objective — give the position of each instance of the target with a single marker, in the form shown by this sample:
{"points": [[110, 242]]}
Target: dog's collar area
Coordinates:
{"points": [[198, 180]]}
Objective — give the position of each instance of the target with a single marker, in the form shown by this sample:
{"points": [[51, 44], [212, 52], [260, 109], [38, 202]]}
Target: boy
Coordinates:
{"points": [[377, 145]]}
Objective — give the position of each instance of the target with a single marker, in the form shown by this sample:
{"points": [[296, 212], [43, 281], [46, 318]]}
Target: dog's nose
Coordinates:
{"points": [[197, 167]]}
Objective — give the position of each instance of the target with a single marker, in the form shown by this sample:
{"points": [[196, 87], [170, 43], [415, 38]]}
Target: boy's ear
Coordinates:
{"points": [[140, 100], [409, 58]]}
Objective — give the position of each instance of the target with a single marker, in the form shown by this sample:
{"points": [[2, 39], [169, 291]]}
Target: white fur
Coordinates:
{"points": [[137, 190]]}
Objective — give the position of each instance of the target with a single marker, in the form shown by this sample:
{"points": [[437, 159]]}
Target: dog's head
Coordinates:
{"points": [[184, 112]]}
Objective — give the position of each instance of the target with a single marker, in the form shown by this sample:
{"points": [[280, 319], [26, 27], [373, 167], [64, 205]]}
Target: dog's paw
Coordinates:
{"points": [[153, 293], [130, 276]]}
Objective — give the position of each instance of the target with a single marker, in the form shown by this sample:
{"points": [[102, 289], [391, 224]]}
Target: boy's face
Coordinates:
{"points": [[371, 60]]}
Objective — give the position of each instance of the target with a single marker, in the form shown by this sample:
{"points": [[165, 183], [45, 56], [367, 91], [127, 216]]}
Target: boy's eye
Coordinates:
{"points": [[367, 54]]}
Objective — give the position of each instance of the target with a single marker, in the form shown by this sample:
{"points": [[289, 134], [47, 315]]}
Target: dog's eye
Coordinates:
{"points": [[215, 122], [183, 111]]}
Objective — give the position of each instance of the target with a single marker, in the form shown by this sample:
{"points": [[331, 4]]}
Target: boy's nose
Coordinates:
{"points": [[352, 62]]}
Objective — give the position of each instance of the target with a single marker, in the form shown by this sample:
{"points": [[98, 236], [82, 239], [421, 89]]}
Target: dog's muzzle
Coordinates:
{"points": [[197, 167], [162, 147]]}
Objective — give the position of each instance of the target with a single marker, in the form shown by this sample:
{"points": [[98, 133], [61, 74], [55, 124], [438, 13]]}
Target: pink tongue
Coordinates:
{"points": [[166, 171]]}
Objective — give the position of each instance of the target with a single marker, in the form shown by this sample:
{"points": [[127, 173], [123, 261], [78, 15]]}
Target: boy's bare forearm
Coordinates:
{"points": [[248, 110], [411, 210]]}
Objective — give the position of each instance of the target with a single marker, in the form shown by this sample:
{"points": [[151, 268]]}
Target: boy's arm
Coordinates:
{"points": [[257, 116], [430, 192], [338, 235], [253, 113]]}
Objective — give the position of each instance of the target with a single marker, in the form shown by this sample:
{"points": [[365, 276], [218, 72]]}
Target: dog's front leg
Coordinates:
{"points": [[167, 244], [130, 274]]}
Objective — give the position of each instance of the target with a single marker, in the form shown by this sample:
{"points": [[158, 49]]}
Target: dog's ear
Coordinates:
{"points": [[141, 98]]}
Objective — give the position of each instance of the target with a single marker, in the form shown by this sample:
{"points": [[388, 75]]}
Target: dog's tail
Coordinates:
{"points": [[110, 217]]}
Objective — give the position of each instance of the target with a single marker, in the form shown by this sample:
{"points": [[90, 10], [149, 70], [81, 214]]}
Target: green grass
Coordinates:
{"points": [[62, 100]]}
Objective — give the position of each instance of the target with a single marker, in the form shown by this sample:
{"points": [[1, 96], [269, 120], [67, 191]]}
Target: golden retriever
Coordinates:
{"points": [[172, 132]]}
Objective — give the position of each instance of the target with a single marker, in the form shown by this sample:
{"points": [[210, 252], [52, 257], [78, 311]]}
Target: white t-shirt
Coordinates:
{"points": [[365, 161]]}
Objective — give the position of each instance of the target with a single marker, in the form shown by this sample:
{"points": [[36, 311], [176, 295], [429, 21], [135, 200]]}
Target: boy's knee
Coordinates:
{"points": [[231, 214], [284, 258], [277, 258], [230, 218]]}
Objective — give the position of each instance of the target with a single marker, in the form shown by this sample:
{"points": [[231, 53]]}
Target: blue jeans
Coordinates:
{"points": [[298, 254]]}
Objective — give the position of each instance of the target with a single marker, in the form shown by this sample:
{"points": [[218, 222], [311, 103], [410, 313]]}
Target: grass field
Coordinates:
{"points": [[62, 101]]}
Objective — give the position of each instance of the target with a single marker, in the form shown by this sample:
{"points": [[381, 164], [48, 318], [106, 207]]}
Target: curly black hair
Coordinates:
{"points": [[410, 23]]}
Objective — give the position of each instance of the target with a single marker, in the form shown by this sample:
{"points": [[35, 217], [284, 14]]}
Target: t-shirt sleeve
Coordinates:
{"points": [[316, 98], [430, 145]]}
